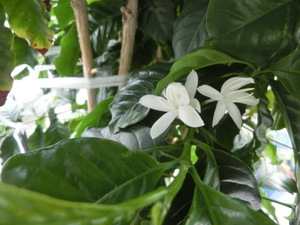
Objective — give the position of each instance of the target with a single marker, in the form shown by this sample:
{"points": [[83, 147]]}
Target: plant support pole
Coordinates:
{"points": [[80, 11], [129, 21]]}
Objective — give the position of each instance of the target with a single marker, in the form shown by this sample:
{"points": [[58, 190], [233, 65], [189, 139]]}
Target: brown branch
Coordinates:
{"points": [[129, 20], [80, 11]]}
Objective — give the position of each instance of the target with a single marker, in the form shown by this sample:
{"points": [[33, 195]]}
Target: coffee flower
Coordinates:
{"points": [[178, 102], [228, 96]]}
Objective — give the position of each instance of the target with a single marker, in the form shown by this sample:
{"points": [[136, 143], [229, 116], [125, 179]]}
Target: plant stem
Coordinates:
{"points": [[129, 20], [291, 206], [80, 11]]}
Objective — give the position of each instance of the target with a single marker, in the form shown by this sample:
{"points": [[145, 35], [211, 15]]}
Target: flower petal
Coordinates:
{"points": [[189, 116], [243, 97], [191, 83], [234, 113], [210, 92], [162, 123], [219, 112], [177, 94], [235, 83], [195, 104], [156, 102]]}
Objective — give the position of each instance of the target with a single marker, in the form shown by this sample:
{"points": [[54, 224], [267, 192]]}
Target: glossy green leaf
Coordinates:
{"points": [[85, 169], [7, 58], [194, 61], [289, 107], [92, 118], [9, 147], [56, 132], [264, 30], [66, 62], [125, 108], [64, 13], [156, 19], [214, 208], [37, 139], [288, 72], [26, 18], [190, 27]]}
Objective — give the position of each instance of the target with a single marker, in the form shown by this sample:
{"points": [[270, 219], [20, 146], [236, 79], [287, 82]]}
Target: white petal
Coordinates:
{"points": [[195, 104], [156, 102], [177, 94], [190, 117], [162, 123], [219, 112], [191, 83], [210, 92], [234, 113], [235, 83], [244, 98]]}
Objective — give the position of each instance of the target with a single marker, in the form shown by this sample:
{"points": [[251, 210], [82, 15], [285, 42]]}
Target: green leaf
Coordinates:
{"points": [[264, 30], [289, 107], [26, 18], [156, 19], [56, 132], [37, 139], [66, 62], [268, 206], [125, 108], [271, 153], [64, 13], [90, 169], [190, 27], [135, 138], [288, 72], [24, 53], [194, 61], [214, 208], [92, 118], [9, 147], [7, 58]]}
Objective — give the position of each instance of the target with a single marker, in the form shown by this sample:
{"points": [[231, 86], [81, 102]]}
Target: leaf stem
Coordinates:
{"points": [[291, 206]]}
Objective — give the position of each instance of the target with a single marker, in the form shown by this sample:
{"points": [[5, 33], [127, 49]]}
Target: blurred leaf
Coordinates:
{"points": [[287, 70], [93, 117], [66, 62], [194, 61], [125, 107], [265, 30], [56, 132], [212, 208], [271, 176], [135, 138], [85, 169], [100, 11], [7, 58], [156, 19], [190, 27], [37, 139], [64, 13], [24, 53], [270, 152], [289, 107], [296, 219], [268, 206], [9, 147], [27, 20]]}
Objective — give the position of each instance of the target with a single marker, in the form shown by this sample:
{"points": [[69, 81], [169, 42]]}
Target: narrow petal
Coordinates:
{"points": [[191, 83], [234, 113], [219, 112], [190, 117], [156, 102], [235, 83], [195, 104], [244, 98], [177, 94], [209, 92], [162, 123]]}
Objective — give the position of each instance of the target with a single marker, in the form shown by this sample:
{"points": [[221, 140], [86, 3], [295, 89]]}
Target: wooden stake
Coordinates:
{"points": [[129, 20], [80, 11]]}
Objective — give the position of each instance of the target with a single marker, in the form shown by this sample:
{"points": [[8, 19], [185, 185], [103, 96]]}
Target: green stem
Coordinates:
{"points": [[291, 206]]}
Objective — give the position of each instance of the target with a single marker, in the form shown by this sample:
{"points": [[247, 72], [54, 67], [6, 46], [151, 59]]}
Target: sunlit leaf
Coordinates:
{"points": [[64, 13]]}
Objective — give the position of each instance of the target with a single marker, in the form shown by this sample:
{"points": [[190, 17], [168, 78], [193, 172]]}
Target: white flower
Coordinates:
{"points": [[178, 102], [228, 96]]}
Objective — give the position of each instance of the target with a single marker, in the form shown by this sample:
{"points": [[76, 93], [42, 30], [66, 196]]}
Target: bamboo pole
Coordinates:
{"points": [[129, 20], [80, 11]]}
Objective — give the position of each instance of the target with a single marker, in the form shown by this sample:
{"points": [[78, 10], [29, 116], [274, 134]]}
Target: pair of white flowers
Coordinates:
{"points": [[178, 102]]}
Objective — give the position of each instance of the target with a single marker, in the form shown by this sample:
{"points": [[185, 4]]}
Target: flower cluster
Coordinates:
{"points": [[178, 101]]}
